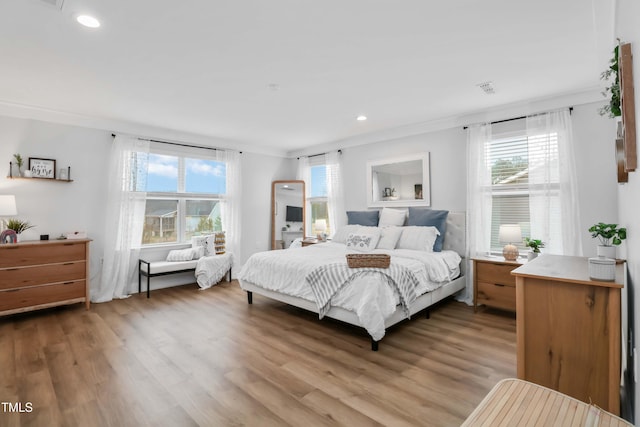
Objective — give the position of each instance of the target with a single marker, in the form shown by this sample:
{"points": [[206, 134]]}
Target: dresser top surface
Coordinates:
{"points": [[41, 243], [564, 268]]}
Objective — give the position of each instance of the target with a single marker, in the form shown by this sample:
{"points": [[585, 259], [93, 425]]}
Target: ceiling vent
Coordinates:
{"points": [[487, 87], [54, 3]]}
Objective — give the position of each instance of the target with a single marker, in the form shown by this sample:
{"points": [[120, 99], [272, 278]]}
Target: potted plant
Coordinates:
{"points": [[18, 226], [610, 236], [19, 162], [612, 109], [535, 245]]}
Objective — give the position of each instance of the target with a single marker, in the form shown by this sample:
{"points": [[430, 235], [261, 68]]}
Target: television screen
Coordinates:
{"points": [[294, 214]]}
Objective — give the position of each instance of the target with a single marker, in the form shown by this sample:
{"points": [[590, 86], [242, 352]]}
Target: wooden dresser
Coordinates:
{"points": [[493, 284], [42, 274], [568, 329]]}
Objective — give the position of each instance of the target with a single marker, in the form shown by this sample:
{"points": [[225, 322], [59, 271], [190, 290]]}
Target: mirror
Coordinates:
{"points": [[402, 181], [287, 213]]}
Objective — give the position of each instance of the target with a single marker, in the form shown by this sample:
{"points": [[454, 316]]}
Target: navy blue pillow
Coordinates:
{"points": [[430, 218], [368, 218]]}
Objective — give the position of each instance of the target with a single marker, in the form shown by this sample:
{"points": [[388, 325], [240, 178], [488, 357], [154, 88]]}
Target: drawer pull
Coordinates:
{"points": [[68, 283], [68, 244], [498, 284], [12, 269], [68, 263], [12, 290]]}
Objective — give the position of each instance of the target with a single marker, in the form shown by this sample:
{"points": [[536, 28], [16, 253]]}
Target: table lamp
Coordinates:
{"points": [[7, 208], [321, 227], [510, 234]]}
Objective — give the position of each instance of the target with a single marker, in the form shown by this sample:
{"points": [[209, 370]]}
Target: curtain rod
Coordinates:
{"points": [[515, 118], [319, 154], [179, 144]]}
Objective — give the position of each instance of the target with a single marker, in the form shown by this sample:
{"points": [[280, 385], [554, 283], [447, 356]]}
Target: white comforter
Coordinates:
{"points": [[368, 296]]}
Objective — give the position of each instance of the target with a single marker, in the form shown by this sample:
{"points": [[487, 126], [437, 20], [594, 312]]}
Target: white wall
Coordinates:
{"points": [[628, 30], [58, 207], [447, 163]]}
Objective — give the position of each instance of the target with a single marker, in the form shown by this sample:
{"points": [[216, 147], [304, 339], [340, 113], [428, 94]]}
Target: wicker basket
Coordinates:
{"points": [[368, 260]]}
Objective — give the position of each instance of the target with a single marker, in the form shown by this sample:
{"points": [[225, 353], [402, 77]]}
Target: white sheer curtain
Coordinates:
{"points": [[231, 204], [479, 199], [553, 197], [304, 174], [125, 218], [335, 191]]}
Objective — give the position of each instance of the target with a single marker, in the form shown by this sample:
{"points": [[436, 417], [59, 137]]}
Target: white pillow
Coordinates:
{"points": [[343, 232], [418, 238], [180, 255], [362, 242], [389, 237], [198, 252], [391, 217], [206, 242]]}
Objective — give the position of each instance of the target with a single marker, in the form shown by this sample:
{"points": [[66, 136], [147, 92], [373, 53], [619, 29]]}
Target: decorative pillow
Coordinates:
{"points": [[391, 217], [389, 237], [430, 218], [206, 242], [180, 255], [343, 232], [369, 218], [198, 252], [418, 238], [362, 242]]}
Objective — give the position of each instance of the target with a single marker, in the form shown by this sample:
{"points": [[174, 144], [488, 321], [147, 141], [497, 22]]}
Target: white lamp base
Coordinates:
{"points": [[510, 252]]}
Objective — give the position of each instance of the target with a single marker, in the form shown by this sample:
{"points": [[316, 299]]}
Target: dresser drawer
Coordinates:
{"points": [[38, 295], [496, 273], [21, 255], [20, 277], [496, 295]]}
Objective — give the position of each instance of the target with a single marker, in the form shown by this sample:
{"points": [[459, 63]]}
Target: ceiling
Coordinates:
{"points": [[291, 74]]}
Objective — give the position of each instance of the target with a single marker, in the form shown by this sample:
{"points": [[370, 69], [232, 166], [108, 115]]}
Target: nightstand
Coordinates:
{"points": [[493, 284]]}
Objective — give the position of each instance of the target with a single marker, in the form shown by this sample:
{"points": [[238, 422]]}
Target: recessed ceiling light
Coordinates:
{"points": [[361, 118], [88, 21]]}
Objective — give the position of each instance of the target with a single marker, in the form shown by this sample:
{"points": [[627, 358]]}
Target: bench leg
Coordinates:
{"points": [[139, 277], [229, 275], [250, 297], [148, 287], [374, 345]]}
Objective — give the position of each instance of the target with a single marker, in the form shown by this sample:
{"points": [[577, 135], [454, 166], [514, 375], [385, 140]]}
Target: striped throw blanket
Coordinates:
{"points": [[328, 279]]}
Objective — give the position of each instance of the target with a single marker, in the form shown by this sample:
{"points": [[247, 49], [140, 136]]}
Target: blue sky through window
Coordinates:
{"points": [[319, 181], [201, 176]]}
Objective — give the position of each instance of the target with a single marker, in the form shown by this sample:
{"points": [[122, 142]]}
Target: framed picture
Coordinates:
{"points": [[42, 168], [418, 191]]}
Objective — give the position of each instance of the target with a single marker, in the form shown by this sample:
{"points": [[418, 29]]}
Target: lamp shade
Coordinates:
{"points": [[8, 205], [510, 233], [321, 224]]}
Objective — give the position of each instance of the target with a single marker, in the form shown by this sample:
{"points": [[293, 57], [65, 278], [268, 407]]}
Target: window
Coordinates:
{"points": [[318, 200], [183, 197], [514, 162]]}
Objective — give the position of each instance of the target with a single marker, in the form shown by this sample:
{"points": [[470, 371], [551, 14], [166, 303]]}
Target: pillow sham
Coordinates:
{"points": [[206, 242], [430, 218], [369, 218], [389, 237], [418, 238], [391, 217], [362, 242], [180, 255], [340, 236]]}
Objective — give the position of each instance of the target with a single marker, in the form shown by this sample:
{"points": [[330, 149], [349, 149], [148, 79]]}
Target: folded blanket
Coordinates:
{"points": [[327, 280]]}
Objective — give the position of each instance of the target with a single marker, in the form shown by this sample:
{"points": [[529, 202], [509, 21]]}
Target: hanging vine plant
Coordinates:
{"points": [[613, 108]]}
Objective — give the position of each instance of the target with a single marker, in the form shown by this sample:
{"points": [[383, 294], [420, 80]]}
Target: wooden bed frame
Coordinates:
{"points": [[454, 240]]}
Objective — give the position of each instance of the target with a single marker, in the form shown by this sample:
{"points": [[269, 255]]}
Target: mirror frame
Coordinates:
{"points": [[273, 208], [426, 182]]}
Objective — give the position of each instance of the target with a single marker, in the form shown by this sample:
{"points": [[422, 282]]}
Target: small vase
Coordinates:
{"points": [[607, 251], [532, 255]]}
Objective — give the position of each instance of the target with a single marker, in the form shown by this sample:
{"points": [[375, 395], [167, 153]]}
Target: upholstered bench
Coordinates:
{"points": [[162, 268]]}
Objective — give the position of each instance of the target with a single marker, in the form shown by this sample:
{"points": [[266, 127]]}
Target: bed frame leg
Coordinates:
{"points": [[428, 314], [250, 297], [374, 345]]}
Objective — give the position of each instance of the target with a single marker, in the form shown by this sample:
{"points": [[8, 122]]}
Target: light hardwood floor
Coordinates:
{"points": [[187, 357]]}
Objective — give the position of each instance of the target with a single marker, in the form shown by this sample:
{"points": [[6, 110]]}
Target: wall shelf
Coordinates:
{"points": [[33, 178]]}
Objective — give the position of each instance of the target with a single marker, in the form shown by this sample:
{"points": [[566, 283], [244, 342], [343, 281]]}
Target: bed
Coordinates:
{"points": [[367, 301]]}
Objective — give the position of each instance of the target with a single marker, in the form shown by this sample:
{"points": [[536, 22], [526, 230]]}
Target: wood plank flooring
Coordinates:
{"points": [[187, 357]]}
